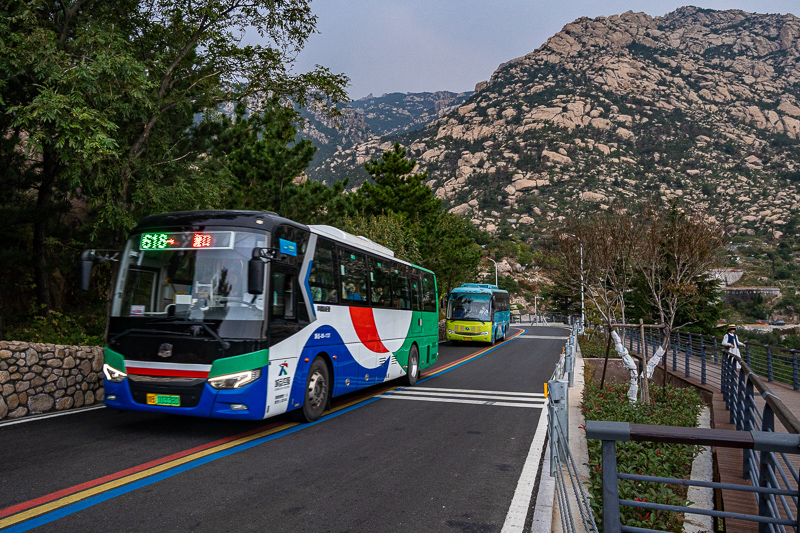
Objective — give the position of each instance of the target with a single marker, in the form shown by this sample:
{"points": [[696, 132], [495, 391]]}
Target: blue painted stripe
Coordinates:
{"points": [[100, 498]]}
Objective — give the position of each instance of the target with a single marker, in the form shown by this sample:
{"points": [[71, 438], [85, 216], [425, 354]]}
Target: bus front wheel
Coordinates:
{"points": [[412, 371], [316, 392]]}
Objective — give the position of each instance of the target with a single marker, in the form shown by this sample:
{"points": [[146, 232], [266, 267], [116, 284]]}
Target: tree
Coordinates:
{"points": [[388, 229], [449, 249], [99, 96], [397, 189], [261, 158]]}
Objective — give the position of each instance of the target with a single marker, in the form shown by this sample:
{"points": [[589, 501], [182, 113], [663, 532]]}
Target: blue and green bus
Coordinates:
{"points": [[477, 312], [248, 315]]}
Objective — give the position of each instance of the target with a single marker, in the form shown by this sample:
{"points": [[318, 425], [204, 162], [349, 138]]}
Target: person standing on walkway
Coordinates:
{"points": [[731, 341]]}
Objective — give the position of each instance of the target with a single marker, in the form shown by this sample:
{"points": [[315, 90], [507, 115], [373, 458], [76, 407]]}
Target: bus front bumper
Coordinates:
{"points": [[246, 403], [485, 336]]}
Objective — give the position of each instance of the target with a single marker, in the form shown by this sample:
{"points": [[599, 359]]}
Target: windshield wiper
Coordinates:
{"points": [[144, 330], [179, 320]]}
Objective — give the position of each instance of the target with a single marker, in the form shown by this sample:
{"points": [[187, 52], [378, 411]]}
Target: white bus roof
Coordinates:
{"points": [[354, 240]]}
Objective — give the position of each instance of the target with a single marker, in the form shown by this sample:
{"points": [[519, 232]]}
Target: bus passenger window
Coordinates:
{"points": [[354, 276], [401, 299], [322, 279], [415, 293], [428, 293], [381, 283]]}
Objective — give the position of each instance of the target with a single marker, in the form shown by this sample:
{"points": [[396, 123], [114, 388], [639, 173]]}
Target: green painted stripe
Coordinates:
{"points": [[239, 363], [114, 360]]}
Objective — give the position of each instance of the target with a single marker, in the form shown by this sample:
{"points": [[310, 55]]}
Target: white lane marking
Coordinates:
{"points": [[422, 392], [34, 418], [457, 400], [543, 337], [473, 391], [521, 502]]}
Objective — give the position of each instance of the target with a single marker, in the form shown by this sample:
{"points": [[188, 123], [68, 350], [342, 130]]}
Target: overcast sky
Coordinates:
{"points": [[389, 46]]}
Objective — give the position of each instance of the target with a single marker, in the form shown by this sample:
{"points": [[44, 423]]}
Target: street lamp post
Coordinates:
{"points": [[495, 269], [583, 309]]}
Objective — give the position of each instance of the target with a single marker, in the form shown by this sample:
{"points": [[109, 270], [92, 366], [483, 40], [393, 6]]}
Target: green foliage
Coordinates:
{"points": [[396, 189], [594, 346], [59, 328], [98, 103], [388, 229], [669, 407], [508, 283]]}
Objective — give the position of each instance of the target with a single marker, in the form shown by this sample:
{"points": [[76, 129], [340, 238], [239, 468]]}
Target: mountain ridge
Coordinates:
{"points": [[698, 104]]}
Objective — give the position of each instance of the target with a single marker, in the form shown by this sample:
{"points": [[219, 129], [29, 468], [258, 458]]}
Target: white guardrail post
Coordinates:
{"points": [[558, 420]]}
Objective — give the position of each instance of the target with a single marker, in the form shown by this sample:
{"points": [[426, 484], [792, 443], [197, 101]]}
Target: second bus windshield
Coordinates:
{"points": [[469, 307]]}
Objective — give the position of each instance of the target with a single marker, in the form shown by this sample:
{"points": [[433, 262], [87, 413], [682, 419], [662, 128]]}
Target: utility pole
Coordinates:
{"points": [[495, 269], [583, 308]]}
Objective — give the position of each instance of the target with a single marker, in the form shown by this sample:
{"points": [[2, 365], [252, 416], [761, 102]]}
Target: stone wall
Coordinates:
{"points": [[39, 378]]}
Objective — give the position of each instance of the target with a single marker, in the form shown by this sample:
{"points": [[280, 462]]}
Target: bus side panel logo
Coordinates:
{"points": [[284, 369]]}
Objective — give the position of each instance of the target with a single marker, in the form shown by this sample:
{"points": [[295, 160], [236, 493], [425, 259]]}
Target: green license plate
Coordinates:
{"points": [[164, 399]]}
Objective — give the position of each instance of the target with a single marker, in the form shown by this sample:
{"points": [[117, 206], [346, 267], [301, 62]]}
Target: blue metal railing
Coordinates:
{"points": [[765, 444], [769, 458]]}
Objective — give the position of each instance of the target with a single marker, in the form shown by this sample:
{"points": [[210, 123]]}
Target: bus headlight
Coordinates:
{"points": [[113, 375], [235, 381]]}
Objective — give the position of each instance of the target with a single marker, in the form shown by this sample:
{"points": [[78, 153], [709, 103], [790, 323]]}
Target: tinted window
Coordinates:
{"points": [[416, 293], [353, 271], [428, 292], [322, 279], [380, 283], [401, 298]]}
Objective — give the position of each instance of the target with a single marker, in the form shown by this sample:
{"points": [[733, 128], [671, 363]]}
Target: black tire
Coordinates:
{"points": [[412, 371], [316, 392]]}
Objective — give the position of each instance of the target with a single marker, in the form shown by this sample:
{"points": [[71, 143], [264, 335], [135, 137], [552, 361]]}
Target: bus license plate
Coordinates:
{"points": [[164, 399]]}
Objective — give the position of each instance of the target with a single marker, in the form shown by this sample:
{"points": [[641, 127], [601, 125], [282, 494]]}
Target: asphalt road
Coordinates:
{"points": [[445, 455]]}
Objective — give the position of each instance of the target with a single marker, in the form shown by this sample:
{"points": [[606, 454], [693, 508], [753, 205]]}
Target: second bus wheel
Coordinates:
{"points": [[412, 371], [316, 392]]}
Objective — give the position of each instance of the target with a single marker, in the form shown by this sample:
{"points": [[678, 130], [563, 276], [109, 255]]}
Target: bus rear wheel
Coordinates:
{"points": [[316, 392], [412, 371]]}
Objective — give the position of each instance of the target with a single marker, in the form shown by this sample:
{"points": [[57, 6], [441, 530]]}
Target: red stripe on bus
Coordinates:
{"points": [[174, 373], [367, 331]]}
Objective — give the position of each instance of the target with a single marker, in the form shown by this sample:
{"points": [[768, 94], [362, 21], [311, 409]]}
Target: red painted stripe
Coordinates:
{"points": [[8, 511], [173, 373], [367, 331]]}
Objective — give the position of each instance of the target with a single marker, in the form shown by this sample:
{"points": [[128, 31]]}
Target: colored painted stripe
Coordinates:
{"points": [[467, 359], [167, 366], [45, 509], [87, 498], [111, 477]]}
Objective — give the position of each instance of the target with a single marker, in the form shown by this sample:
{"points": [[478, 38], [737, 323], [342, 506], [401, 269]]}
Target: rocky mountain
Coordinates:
{"points": [[373, 116], [698, 104]]}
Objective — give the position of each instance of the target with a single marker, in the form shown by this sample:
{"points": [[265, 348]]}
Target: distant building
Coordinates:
{"points": [[728, 276], [749, 293]]}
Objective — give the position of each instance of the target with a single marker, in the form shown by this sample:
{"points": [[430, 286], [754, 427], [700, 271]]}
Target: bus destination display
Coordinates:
{"points": [[186, 241]]}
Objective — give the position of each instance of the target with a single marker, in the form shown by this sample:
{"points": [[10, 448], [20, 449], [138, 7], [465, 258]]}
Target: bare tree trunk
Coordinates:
{"points": [[645, 384], [605, 363]]}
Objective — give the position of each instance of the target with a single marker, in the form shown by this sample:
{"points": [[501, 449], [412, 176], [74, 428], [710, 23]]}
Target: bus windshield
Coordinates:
{"points": [[189, 275], [469, 307]]}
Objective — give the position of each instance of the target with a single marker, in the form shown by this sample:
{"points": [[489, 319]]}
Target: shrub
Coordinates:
{"points": [[669, 407]]}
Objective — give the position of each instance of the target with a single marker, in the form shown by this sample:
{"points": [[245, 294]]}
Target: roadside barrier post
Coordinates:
{"points": [[558, 420]]}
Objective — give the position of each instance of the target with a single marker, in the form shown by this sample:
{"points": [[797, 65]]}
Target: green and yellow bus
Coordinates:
{"points": [[477, 312]]}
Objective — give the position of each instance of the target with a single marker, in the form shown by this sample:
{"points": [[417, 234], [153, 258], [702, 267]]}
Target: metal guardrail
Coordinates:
{"points": [[770, 459], [763, 444], [562, 464], [775, 363]]}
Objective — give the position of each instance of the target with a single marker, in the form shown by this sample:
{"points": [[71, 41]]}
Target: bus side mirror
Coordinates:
{"points": [[84, 273], [256, 269]]}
